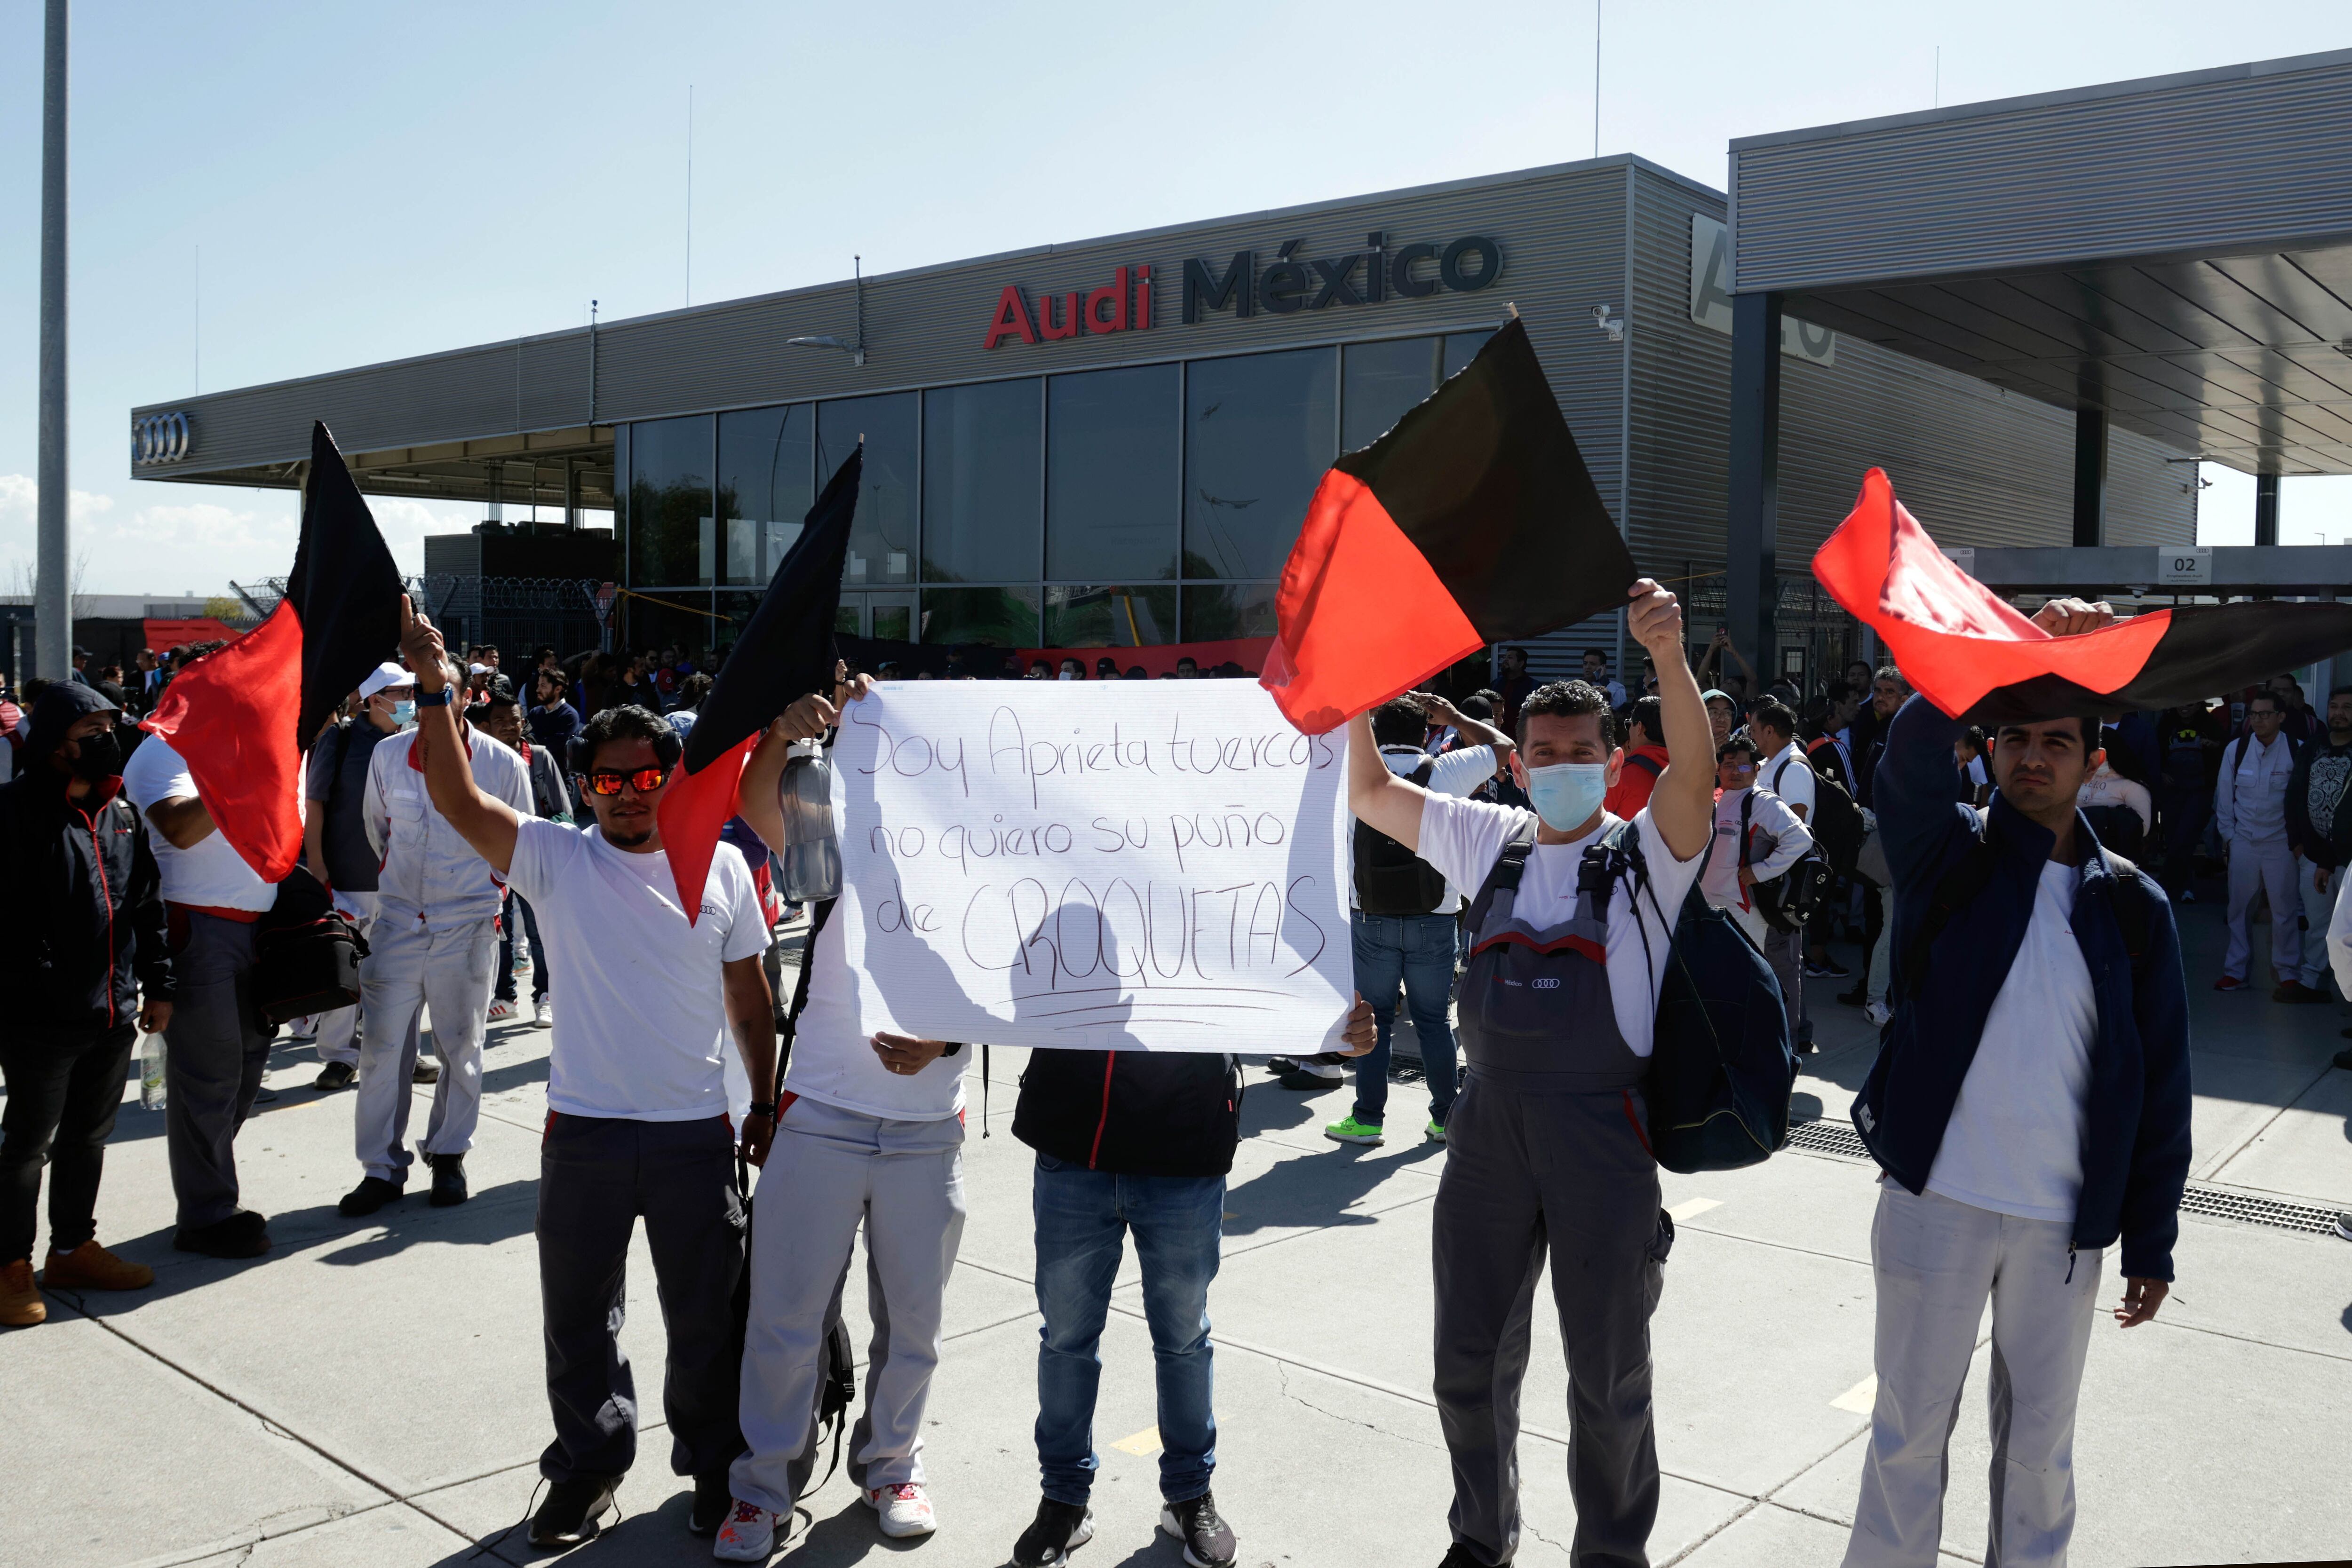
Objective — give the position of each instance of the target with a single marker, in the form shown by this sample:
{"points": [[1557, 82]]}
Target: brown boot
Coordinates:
{"points": [[20, 1299], [90, 1267]]}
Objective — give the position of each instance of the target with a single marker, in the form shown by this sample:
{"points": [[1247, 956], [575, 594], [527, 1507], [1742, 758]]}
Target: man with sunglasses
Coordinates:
{"points": [[645, 1003], [433, 944]]}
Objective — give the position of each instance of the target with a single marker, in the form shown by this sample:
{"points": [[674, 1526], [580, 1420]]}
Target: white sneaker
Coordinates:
{"points": [[1877, 1013], [501, 1011], [748, 1536], [539, 1012], [906, 1508]]}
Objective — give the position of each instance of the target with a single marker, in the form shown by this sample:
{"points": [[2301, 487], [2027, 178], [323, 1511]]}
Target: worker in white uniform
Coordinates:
{"points": [[434, 944], [2250, 809], [1756, 838]]}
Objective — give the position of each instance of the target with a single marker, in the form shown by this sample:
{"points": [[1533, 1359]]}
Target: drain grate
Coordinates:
{"points": [[1825, 1137], [2217, 1203]]}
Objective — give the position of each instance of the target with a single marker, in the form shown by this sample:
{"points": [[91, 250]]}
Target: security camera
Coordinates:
{"points": [[1615, 326]]}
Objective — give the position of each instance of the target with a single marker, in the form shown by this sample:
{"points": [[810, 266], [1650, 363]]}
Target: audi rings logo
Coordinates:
{"points": [[159, 438]]}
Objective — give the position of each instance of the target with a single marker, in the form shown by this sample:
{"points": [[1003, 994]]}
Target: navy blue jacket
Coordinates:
{"points": [[2135, 1159]]}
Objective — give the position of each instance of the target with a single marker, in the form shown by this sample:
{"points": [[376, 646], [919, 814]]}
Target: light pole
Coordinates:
{"points": [[52, 605]]}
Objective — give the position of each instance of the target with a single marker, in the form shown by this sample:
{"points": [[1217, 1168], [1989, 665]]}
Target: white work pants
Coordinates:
{"points": [[828, 1170], [411, 966], [2267, 864], [1936, 1262], [2318, 907]]}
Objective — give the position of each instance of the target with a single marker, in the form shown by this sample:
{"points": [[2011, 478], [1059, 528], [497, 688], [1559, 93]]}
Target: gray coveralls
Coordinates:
{"points": [[1546, 1150]]}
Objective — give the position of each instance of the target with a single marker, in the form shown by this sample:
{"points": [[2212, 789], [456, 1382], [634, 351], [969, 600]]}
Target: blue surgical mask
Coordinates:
{"points": [[404, 714], [1566, 794]]}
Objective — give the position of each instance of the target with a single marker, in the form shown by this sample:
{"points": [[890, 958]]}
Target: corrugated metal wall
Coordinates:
{"points": [[2241, 156]]}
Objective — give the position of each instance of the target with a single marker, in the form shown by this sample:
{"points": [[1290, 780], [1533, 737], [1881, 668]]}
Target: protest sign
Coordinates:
{"points": [[1095, 865]]}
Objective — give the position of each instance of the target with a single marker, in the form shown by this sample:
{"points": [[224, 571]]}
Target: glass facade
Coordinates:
{"points": [[1101, 508]]}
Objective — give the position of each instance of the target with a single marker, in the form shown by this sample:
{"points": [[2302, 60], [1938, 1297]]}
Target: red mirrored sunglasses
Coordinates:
{"points": [[608, 780]]}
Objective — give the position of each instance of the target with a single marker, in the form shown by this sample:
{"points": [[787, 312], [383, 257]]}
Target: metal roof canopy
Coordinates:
{"points": [[2175, 253], [2297, 571]]}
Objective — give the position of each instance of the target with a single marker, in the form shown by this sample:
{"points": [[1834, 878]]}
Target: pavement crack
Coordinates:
{"points": [[1282, 1372]]}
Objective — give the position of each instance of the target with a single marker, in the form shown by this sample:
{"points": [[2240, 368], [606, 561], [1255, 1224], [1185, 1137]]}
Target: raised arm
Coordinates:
{"points": [[1681, 804], [1474, 732], [1381, 799], [806, 719], [488, 824]]}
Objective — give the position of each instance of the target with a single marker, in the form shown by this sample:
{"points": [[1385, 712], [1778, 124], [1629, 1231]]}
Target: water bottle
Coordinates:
{"points": [[812, 852], [150, 1073]]}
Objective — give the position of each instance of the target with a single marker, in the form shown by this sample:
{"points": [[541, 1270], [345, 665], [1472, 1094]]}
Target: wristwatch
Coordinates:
{"points": [[435, 699], [764, 1108]]}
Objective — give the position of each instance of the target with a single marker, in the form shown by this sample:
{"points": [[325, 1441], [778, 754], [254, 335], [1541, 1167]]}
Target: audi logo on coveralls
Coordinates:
{"points": [[159, 438]]}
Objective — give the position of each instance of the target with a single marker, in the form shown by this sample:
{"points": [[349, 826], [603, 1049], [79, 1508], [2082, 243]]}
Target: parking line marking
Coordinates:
{"points": [[1692, 1207], [1143, 1445], [1861, 1398]]}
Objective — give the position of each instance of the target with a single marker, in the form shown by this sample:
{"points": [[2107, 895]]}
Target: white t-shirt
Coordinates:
{"points": [[1464, 839], [2014, 1143], [1457, 773], [1788, 774], [212, 876], [1776, 842], [640, 1009], [835, 1064]]}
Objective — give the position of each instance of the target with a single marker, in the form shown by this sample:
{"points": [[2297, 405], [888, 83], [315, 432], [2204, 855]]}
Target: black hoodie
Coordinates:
{"points": [[81, 914], [1138, 1112]]}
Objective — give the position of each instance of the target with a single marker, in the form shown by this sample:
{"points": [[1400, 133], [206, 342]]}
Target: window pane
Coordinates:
{"points": [[1382, 383], [765, 486], [1110, 474], [671, 532], [668, 620], [882, 538], [1212, 614], [1258, 433], [1460, 348], [1005, 617], [1109, 617], [983, 512], [737, 607]]}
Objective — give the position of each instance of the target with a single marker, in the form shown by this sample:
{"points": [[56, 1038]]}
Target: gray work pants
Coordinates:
{"points": [[1785, 951], [411, 967], [1529, 1173], [215, 1052], [596, 1177], [1936, 1262], [829, 1170]]}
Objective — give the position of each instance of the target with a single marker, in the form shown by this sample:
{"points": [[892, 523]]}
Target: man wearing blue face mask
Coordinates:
{"points": [[1545, 1142], [335, 842]]}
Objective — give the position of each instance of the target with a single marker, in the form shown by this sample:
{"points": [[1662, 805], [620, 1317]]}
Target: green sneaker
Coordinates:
{"points": [[1435, 1132], [1353, 1132]]}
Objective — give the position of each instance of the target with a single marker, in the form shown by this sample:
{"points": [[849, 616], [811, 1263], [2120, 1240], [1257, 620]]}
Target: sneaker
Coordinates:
{"points": [[1208, 1539], [427, 1071], [244, 1234], [501, 1009], [1351, 1131], [448, 1180], [1313, 1077], [20, 1299], [1826, 970], [1460, 1556], [335, 1076], [1282, 1066], [1858, 997], [573, 1510], [2344, 1059], [2344, 1226], [1435, 1132], [748, 1536], [1059, 1529], [2296, 991], [1807, 1048], [2188, 896], [372, 1194], [1878, 1013], [712, 1504], [90, 1267], [2231, 983], [906, 1509], [538, 1014]]}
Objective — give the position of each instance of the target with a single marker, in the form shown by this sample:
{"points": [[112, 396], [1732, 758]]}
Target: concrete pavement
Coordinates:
{"points": [[371, 1392]]}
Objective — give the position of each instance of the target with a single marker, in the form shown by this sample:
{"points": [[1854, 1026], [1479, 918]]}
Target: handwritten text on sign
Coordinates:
{"points": [[1115, 864]]}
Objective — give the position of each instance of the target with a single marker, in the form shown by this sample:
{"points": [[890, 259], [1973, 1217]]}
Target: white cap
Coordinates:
{"points": [[386, 674], [478, 669]]}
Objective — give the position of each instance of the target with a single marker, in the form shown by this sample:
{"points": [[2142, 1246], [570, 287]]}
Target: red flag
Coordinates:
{"points": [[1972, 655], [241, 716]]}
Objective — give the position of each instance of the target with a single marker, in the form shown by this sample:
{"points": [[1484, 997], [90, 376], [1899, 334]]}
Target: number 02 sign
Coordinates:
{"points": [[2184, 566]]}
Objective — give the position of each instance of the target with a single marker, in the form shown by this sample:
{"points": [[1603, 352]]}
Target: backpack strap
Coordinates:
{"points": [[1957, 888], [1746, 810], [1421, 774], [1649, 765], [1615, 855], [2131, 907]]}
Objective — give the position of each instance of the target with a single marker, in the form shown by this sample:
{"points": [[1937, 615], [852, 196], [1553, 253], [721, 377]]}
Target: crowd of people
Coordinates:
{"points": [[1518, 856]]}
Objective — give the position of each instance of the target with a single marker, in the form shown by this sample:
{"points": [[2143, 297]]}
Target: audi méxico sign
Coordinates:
{"points": [[1250, 281], [158, 439]]}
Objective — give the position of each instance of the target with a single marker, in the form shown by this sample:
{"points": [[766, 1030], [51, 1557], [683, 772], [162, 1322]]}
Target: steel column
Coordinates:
{"points": [[2266, 498], [1753, 534], [53, 599], [2090, 478]]}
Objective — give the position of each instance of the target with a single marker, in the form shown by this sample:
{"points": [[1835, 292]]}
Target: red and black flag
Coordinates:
{"points": [[243, 715], [1473, 521], [787, 651], [1974, 656]]}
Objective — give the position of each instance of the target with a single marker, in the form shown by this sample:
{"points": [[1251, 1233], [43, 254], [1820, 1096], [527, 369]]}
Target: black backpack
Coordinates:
{"points": [[306, 953], [1389, 878], [1786, 901], [1836, 822], [1721, 1072]]}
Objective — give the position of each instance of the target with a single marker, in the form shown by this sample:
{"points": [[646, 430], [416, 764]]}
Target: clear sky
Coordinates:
{"points": [[366, 182]]}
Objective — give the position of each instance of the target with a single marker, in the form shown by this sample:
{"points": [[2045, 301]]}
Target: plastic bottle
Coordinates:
{"points": [[150, 1073], [812, 852]]}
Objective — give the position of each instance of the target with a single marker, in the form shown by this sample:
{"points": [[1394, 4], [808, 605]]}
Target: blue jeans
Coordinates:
{"points": [[518, 908], [1179, 1223], [1417, 951]]}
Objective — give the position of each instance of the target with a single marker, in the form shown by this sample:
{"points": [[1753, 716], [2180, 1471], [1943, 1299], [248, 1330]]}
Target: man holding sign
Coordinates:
{"points": [[1546, 1147]]}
